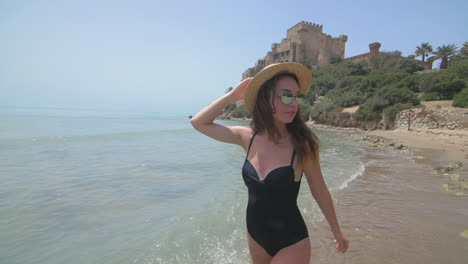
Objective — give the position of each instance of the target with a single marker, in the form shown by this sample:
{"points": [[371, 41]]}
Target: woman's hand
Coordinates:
{"points": [[239, 91], [341, 243]]}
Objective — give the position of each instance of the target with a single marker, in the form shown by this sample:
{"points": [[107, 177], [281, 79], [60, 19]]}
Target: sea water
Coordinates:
{"points": [[93, 186]]}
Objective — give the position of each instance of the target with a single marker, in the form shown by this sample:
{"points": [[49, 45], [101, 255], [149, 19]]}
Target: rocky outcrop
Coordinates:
{"points": [[443, 118]]}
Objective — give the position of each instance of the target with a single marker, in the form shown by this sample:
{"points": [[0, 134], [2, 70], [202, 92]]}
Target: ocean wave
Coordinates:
{"points": [[359, 172]]}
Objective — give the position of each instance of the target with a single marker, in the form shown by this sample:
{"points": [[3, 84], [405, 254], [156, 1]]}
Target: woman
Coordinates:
{"points": [[276, 232]]}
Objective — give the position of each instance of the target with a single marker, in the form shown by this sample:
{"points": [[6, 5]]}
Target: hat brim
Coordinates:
{"points": [[303, 75]]}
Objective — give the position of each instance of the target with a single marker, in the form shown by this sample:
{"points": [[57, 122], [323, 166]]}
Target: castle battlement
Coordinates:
{"points": [[305, 26], [343, 38]]}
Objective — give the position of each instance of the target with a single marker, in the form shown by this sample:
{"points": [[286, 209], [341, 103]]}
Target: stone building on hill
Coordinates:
{"points": [[371, 56], [305, 43], [374, 51]]}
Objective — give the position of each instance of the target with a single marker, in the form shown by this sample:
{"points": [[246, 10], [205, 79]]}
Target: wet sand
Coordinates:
{"points": [[398, 210]]}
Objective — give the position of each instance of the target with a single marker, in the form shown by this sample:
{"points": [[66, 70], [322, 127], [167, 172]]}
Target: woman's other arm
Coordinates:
{"points": [[321, 194], [203, 120]]}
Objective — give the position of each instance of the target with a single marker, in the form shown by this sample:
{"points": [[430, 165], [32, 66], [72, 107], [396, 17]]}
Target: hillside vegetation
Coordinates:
{"points": [[382, 87]]}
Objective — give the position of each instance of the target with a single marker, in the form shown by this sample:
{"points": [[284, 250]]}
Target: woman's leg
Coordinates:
{"points": [[297, 253], [258, 254]]}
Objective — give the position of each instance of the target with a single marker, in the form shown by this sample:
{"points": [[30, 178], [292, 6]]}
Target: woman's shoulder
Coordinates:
{"points": [[246, 135], [248, 132], [315, 138], [311, 148]]}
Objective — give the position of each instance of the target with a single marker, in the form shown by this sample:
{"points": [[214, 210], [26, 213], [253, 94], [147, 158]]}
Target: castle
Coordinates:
{"points": [[305, 43]]}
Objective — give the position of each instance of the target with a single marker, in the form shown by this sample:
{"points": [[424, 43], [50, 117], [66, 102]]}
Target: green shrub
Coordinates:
{"points": [[392, 81], [461, 99], [229, 108], [336, 59], [326, 106], [393, 61], [346, 98], [444, 82], [426, 82], [350, 81], [460, 68], [447, 87], [430, 96], [409, 65], [366, 112], [411, 82], [241, 112], [314, 113], [335, 117], [379, 78], [393, 78], [390, 114], [346, 68], [398, 95], [359, 68], [323, 83], [372, 109], [310, 97], [321, 108], [330, 77], [305, 111], [393, 110]]}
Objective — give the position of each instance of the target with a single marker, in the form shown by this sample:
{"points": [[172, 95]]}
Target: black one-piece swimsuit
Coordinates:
{"points": [[273, 218]]}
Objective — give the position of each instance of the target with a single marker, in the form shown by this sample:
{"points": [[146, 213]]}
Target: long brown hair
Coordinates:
{"points": [[262, 119]]}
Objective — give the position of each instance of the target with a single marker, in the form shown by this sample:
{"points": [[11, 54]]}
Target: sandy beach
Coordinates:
{"points": [[409, 206], [436, 144]]}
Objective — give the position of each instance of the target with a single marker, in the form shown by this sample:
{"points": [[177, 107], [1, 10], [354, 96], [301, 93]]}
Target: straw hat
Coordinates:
{"points": [[302, 73]]}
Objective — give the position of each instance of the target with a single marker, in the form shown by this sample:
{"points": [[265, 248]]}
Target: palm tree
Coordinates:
{"points": [[445, 53], [464, 50], [423, 50], [462, 54]]}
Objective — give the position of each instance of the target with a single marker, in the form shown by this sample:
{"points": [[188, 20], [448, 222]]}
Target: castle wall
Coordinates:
{"points": [[359, 57], [373, 51], [319, 48]]}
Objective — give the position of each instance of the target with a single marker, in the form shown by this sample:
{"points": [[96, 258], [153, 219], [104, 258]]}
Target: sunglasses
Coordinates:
{"points": [[287, 97]]}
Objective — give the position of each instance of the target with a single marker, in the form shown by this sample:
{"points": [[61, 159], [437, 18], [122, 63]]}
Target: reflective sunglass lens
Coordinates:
{"points": [[287, 99]]}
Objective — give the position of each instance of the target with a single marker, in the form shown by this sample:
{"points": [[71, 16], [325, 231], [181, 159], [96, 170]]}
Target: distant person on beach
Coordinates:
{"points": [[284, 148]]}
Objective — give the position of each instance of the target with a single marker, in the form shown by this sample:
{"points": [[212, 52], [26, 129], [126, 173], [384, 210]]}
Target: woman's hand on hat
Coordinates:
{"points": [[239, 91]]}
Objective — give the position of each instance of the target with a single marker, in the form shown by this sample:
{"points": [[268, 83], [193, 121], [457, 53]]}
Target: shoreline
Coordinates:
{"points": [[409, 205], [436, 145], [444, 151]]}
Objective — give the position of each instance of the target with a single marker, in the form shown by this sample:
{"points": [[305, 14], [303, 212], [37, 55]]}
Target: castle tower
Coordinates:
{"points": [[374, 48]]}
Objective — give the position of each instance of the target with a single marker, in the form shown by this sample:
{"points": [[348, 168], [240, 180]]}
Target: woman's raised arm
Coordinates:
{"points": [[203, 120]]}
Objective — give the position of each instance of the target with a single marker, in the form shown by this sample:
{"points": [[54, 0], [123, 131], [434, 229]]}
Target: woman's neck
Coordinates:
{"points": [[282, 130]]}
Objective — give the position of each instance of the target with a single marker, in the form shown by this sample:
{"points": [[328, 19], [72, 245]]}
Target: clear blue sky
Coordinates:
{"points": [[179, 56]]}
